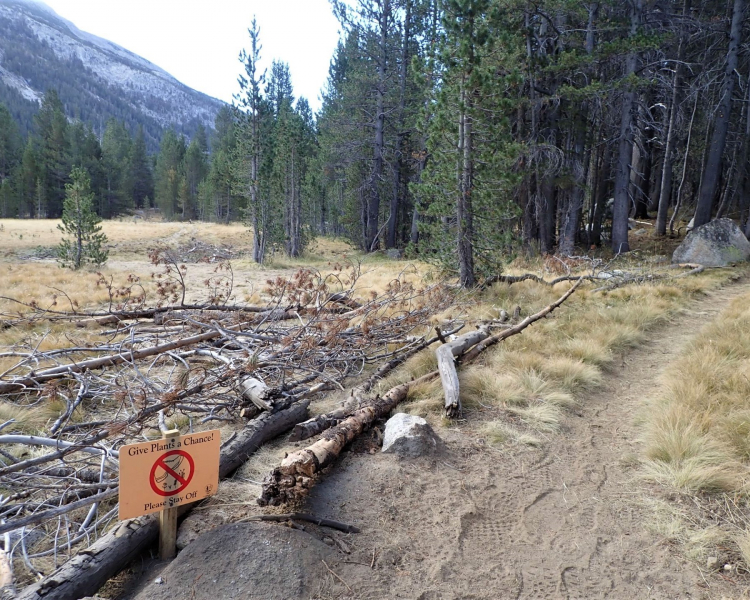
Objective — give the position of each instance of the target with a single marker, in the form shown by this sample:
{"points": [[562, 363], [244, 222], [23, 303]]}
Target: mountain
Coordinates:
{"points": [[96, 79]]}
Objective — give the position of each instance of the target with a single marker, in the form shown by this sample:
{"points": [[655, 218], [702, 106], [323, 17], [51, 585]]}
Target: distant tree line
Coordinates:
{"points": [[34, 171], [464, 131]]}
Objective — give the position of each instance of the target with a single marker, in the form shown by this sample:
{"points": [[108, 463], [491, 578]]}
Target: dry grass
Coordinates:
{"points": [[696, 429], [537, 376], [696, 438]]}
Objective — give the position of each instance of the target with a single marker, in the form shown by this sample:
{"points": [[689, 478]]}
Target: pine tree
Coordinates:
{"points": [[54, 155], [117, 195], [140, 176], [196, 170], [466, 184], [253, 153], [169, 174], [85, 242]]}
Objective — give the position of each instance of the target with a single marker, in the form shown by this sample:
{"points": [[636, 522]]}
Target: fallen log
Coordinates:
{"points": [[511, 279], [257, 392], [446, 358], [319, 424], [298, 471], [87, 571]]}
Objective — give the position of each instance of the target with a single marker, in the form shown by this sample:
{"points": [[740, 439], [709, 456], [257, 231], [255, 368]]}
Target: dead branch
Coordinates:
{"points": [[516, 329], [446, 358], [87, 571], [641, 278], [191, 363], [308, 519], [320, 423], [299, 471]]}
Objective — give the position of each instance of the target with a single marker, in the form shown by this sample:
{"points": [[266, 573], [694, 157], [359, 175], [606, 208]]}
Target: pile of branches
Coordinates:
{"points": [[170, 362]]}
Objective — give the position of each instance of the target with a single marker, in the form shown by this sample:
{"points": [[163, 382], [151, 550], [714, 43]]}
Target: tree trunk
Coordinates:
{"points": [[373, 204], [713, 167], [621, 209], [446, 361], [395, 198], [464, 214], [571, 218]]}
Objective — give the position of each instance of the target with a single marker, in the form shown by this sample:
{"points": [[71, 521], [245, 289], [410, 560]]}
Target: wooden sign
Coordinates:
{"points": [[166, 473]]}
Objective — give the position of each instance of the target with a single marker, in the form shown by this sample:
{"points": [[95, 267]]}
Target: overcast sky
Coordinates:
{"points": [[198, 41]]}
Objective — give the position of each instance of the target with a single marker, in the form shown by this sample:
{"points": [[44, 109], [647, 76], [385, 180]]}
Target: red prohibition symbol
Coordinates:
{"points": [[176, 465]]}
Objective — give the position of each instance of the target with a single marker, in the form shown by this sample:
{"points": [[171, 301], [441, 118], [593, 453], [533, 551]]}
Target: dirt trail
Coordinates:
{"points": [[563, 522], [560, 522]]}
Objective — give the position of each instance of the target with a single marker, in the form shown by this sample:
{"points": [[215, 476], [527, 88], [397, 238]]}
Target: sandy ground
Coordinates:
{"points": [[563, 521]]}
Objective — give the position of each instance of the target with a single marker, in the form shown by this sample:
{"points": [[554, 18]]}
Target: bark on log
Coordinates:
{"points": [[446, 358], [86, 572], [316, 425], [298, 471]]}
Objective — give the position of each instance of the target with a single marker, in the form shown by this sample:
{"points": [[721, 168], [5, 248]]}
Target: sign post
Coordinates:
{"points": [[168, 517], [163, 475]]}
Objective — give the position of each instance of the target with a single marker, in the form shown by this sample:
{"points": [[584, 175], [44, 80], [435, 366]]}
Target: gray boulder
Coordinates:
{"points": [[408, 435], [394, 253], [715, 244]]}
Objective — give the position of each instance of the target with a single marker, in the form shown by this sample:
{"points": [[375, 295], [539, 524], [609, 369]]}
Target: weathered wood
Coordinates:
{"points": [[446, 358], [298, 471], [6, 572], [168, 518], [346, 528], [516, 329], [319, 424], [316, 425], [256, 392], [88, 570], [22, 383]]}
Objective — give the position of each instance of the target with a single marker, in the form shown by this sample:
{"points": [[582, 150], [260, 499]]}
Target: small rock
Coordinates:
{"points": [[712, 562], [408, 435], [728, 567], [394, 253], [158, 581], [327, 540]]}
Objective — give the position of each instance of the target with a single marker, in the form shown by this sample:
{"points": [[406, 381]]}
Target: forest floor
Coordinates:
{"points": [[568, 520], [569, 517]]}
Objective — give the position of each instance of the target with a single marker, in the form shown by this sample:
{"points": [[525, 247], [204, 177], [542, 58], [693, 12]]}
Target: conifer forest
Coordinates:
{"points": [[464, 132]]}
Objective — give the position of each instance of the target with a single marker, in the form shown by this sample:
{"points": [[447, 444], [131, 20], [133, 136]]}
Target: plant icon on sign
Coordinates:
{"points": [[167, 480]]}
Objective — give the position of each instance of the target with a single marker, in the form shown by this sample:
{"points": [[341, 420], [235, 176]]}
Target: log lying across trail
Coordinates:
{"points": [[319, 424], [86, 572], [299, 471]]}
